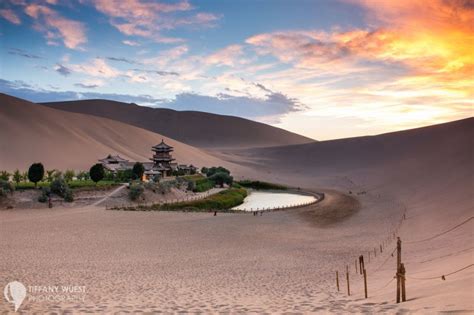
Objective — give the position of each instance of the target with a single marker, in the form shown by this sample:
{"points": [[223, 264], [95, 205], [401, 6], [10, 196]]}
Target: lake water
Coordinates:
{"points": [[259, 199]]}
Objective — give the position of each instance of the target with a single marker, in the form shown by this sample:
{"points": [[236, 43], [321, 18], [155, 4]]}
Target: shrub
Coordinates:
{"points": [[191, 185], [138, 170], [203, 185], [36, 173], [6, 187], [45, 193], [4, 175], [50, 175], [124, 176], [82, 175], [136, 191], [69, 175], [261, 185], [59, 187], [97, 172], [224, 200], [68, 195]]}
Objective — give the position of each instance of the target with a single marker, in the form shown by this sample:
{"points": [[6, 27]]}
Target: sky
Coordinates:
{"points": [[326, 69]]}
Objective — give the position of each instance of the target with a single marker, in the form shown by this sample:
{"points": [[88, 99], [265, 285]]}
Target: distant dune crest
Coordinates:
{"points": [[195, 128]]}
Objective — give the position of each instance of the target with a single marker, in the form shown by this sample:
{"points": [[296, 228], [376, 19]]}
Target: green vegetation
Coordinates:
{"points": [[36, 173], [45, 193], [17, 177], [75, 184], [203, 184], [61, 188], [5, 188], [69, 175], [214, 170], [4, 175], [221, 178], [136, 191], [256, 184], [224, 200], [138, 170], [97, 172]]}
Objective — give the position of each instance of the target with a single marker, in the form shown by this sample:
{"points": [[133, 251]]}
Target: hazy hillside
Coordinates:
{"points": [[195, 128], [32, 133]]}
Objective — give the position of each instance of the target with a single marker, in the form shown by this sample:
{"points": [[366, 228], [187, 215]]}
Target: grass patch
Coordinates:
{"points": [[222, 201], [203, 184], [75, 184], [194, 177], [259, 185]]}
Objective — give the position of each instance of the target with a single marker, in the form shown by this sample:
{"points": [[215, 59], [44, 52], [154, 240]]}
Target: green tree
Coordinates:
{"points": [[97, 172], [5, 175], [214, 170], [222, 178], [138, 170], [204, 170], [36, 173], [50, 175], [17, 176], [24, 176], [69, 175]]}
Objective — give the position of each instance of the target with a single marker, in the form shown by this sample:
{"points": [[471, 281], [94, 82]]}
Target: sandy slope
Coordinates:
{"points": [[282, 261], [427, 171], [61, 140], [199, 129]]}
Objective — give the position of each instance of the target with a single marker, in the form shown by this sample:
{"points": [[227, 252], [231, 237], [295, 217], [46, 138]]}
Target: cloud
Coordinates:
{"points": [[159, 72], [229, 56], [54, 26], [86, 86], [10, 16], [96, 68], [34, 94], [275, 104], [130, 43], [22, 53], [62, 70], [150, 19], [121, 59]]}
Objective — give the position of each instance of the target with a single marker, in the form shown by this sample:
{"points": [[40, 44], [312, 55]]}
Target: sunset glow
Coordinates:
{"points": [[376, 66]]}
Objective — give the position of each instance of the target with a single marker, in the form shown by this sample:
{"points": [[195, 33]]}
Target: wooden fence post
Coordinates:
{"points": [[399, 260], [381, 248], [361, 263], [347, 278], [337, 280], [365, 283], [355, 265], [402, 276]]}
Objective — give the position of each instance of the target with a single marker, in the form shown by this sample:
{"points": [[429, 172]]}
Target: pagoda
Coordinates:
{"points": [[162, 158]]}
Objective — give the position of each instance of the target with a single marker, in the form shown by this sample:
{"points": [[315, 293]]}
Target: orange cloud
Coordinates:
{"points": [[412, 66], [55, 26]]}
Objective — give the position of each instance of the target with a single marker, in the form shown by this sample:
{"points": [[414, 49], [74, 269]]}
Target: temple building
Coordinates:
{"points": [[162, 163], [162, 159]]}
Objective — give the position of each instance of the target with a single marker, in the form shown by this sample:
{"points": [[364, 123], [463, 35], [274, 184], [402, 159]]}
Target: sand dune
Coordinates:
{"points": [[61, 140], [427, 172], [199, 129], [280, 262]]}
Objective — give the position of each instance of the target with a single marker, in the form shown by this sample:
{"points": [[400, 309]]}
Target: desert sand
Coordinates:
{"points": [[200, 129], [283, 261], [33, 133]]}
